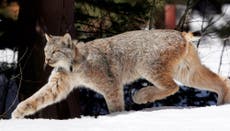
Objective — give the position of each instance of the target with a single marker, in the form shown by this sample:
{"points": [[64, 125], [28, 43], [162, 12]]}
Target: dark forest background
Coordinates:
{"points": [[23, 23]]}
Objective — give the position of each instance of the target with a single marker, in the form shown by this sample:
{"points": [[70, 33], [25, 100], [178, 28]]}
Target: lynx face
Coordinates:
{"points": [[59, 51]]}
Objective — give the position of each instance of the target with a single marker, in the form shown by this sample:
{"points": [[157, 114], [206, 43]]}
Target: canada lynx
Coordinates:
{"points": [[105, 65]]}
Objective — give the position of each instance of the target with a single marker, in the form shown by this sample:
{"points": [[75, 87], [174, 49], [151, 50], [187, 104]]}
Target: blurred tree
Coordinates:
{"points": [[33, 17], [101, 18], [157, 15]]}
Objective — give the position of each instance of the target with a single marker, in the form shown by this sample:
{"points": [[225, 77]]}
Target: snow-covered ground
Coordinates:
{"points": [[214, 118]]}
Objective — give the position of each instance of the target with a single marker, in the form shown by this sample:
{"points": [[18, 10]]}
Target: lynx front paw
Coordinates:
{"points": [[17, 114], [23, 109]]}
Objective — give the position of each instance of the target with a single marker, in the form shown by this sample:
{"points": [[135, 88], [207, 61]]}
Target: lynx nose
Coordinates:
{"points": [[47, 60], [50, 61]]}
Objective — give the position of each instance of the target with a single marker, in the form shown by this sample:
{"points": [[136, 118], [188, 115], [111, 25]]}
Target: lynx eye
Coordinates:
{"points": [[58, 51], [53, 52]]}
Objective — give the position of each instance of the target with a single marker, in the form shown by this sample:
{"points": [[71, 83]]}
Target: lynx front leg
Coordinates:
{"points": [[56, 89], [165, 86], [115, 100]]}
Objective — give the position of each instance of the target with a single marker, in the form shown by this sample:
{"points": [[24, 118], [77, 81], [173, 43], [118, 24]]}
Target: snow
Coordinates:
{"points": [[210, 54], [8, 55], [214, 118]]}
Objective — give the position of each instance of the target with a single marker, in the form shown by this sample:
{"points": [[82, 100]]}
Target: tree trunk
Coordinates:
{"points": [[57, 16]]}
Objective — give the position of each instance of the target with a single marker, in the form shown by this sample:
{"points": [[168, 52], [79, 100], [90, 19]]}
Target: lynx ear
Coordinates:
{"points": [[67, 37], [47, 37], [68, 40]]}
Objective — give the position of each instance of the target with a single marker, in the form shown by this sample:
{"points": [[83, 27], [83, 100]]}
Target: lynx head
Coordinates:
{"points": [[59, 51]]}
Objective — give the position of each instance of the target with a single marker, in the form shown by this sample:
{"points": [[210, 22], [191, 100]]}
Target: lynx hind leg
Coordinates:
{"points": [[56, 89], [202, 78], [192, 73], [163, 86]]}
